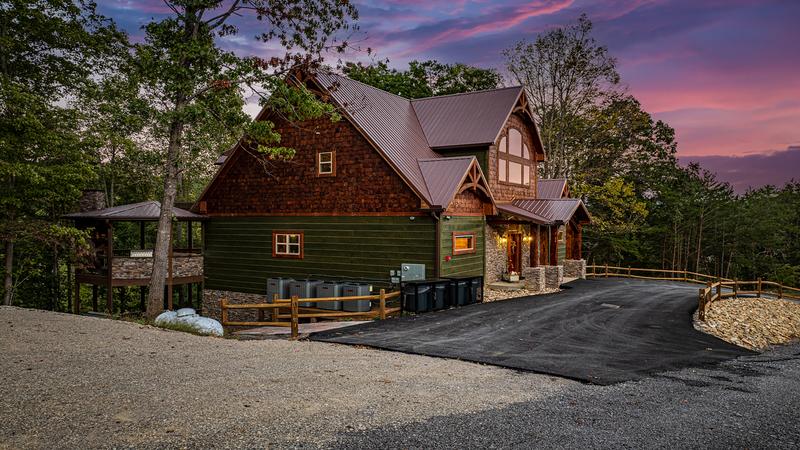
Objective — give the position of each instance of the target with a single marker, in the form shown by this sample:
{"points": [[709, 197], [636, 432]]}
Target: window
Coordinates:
{"points": [[562, 233], [287, 244], [513, 159], [463, 242], [326, 164]]}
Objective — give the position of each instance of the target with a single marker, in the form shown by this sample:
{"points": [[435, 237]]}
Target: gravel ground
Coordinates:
{"points": [[754, 323], [82, 382]]}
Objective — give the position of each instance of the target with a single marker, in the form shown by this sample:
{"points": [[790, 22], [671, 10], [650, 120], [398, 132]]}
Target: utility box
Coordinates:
{"points": [[412, 272], [326, 290], [278, 286], [356, 290], [304, 289]]}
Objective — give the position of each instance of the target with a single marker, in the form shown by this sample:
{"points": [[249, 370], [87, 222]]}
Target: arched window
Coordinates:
{"points": [[513, 159]]}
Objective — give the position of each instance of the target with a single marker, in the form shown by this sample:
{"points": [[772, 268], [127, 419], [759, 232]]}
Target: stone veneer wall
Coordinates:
{"points": [[497, 256], [534, 278], [211, 307], [575, 268], [553, 276], [137, 268]]}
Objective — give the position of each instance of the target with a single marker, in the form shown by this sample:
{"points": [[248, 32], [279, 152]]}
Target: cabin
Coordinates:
{"points": [[448, 181]]}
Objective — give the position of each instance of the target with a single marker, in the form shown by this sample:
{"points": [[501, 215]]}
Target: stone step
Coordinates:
{"points": [[507, 285]]}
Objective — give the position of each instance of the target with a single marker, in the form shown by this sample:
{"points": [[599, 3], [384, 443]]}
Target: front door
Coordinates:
{"points": [[515, 252]]}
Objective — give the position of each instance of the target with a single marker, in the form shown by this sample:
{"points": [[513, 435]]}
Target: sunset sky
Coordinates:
{"points": [[724, 73]]}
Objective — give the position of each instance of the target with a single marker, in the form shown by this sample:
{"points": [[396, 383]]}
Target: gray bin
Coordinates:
{"points": [[329, 289], [304, 289], [356, 290], [278, 286]]}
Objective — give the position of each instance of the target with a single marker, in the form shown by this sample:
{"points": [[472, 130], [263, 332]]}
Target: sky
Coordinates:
{"points": [[724, 73]]}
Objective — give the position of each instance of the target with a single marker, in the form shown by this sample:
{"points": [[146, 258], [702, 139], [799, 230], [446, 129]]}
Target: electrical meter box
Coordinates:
{"points": [[412, 272]]}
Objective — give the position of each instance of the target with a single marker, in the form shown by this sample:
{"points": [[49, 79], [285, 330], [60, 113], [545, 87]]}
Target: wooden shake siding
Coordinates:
{"points": [[238, 251], [467, 264]]}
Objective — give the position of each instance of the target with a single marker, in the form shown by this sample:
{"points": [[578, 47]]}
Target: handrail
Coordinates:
{"points": [[710, 293], [294, 310]]}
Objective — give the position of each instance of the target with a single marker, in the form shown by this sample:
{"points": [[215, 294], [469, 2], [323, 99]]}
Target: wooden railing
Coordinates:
{"points": [[296, 312], [716, 288]]}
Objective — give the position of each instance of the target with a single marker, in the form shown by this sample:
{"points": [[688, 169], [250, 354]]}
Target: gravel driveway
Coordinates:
{"points": [[80, 382]]}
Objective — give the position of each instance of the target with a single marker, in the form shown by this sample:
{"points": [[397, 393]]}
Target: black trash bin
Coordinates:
{"points": [[459, 291], [440, 300], [417, 297], [476, 289]]}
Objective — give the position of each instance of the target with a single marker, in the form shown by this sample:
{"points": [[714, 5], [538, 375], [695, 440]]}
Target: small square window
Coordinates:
{"points": [[287, 244], [326, 163], [463, 242]]}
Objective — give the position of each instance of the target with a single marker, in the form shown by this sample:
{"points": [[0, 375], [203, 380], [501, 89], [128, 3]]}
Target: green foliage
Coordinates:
{"points": [[424, 79]]}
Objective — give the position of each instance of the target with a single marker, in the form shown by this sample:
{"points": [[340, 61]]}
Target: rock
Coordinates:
{"points": [[553, 276], [165, 318], [575, 268], [534, 278], [754, 323]]}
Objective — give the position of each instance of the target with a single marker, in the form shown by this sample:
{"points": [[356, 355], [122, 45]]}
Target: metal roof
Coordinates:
{"points": [[472, 118], [444, 176], [551, 188], [150, 210], [510, 208], [389, 121], [555, 210]]}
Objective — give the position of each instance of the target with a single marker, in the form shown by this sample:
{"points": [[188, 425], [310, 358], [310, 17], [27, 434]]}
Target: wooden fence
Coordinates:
{"points": [[296, 312], [716, 288]]}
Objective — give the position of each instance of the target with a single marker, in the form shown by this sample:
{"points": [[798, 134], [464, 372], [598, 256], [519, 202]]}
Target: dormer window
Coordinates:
{"points": [[513, 159], [326, 164]]}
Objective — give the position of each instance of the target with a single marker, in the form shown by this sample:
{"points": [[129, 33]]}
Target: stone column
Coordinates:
{"points": [[553, 276]]}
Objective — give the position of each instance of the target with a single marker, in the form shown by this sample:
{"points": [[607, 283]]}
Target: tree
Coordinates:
{"points": [[197, 87], [50, 51], [424, 79], [567, 75]]}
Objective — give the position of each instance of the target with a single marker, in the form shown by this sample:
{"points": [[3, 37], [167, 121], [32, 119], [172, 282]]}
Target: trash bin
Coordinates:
{"points": [[440, 300], [459, 291], [304, 289], [356, 290], [329, 289], [476, 289], [278, 286], [416, 297]]}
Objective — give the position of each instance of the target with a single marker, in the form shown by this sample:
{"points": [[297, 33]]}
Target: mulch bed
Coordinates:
{"points": [[753, 323]]}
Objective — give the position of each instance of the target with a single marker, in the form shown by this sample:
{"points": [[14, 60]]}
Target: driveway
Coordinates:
{"points": [[602, 331]]}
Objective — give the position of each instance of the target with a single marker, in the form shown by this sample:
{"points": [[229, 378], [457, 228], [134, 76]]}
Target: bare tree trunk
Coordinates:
{"points": [[8, 282], [699, 241], [55, 303], [155, 295]]}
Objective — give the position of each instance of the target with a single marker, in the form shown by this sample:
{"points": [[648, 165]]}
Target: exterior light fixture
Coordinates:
{"points": [[412, 218]]}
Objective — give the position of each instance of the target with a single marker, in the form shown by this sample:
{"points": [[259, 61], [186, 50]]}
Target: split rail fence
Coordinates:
{"points": [[278, 308], [715, 289]]}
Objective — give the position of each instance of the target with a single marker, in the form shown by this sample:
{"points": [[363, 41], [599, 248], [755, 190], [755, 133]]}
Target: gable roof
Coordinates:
{"points": [[445, 176], [149, 210], [551, 188], [468, 119], [557, 211]]}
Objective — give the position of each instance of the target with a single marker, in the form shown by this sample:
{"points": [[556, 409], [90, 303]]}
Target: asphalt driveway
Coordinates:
{"points": [[602, 331]]}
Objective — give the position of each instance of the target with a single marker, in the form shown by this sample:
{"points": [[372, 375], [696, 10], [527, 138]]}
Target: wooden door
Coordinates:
{"points": [[515, 252]]}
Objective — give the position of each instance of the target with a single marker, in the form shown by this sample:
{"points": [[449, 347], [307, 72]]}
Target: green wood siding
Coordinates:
{"points": [[238, 251], [562, 252], [462, 265]]}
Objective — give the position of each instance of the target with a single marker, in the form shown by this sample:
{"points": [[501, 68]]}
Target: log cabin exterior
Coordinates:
{"points": [[448, 181]]}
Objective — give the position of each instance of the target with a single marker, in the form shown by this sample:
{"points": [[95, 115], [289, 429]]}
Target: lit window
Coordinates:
{"points": [[513, 159], [326, 163], [287, 244], [561, 233], [463, 242]]}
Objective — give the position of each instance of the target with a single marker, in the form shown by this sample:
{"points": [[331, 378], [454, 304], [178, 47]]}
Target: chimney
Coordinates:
{"points": [[92, 200]]}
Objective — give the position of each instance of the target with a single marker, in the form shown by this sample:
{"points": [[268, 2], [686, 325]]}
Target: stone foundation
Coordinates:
{"points": [[497, 253], [575, 268], [534, 278], [553, 276], [138, 268], [211, 307]]}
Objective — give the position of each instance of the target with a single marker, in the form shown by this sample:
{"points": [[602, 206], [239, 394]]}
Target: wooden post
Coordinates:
{"points": [[719, 289], [382, 305], [701, 305], [295, 324], [76, 304], [735, 288], [685, 275], [629, 271], [759, 287], [780, 291], [110, 264], [274, 314], [223, 307], [606, 270]]}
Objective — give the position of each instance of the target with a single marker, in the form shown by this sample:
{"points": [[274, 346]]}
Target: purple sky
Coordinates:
{"points": [[724, 73]]}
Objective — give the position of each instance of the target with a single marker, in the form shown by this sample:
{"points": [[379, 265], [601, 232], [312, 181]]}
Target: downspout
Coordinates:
{"points": [[437, 270]]}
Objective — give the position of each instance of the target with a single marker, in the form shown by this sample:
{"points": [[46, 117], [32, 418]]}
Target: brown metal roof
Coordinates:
{"points": [[551, 188], [444, 176], [509, 208], [473, 118], [145, 211], [389, 122], [555, 210]]}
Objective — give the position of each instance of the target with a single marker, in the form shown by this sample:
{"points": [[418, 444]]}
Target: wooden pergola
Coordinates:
{"points": [[120, 268]]}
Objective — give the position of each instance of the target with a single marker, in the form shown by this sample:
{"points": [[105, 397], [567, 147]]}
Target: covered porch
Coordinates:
{"points": [[122, 242]]}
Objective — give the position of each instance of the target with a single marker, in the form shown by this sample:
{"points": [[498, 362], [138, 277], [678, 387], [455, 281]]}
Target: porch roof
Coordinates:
{"points": [[143, 211], [547, 211]]}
